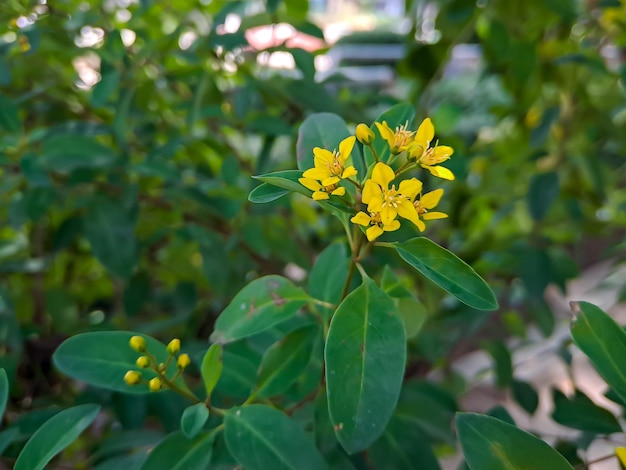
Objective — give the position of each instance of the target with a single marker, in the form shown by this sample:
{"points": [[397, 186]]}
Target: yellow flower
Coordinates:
{"points": [[364, 134], [330, 166], [138, 343], [183, 361], [155, 384], [143, 362], [390, 202], [430, 157], [424, 204], [174, 346], [321, 192], [132, 377], [399, 139], [377, 227]]}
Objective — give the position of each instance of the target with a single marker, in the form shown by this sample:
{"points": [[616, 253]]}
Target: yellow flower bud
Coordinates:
{"points": [[143, 361], [138, 343], [364, 134], [183, 361], [155, 384], [174, 346], [132, 377]]}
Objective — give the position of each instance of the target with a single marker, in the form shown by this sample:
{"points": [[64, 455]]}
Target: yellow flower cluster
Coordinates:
{"points": [[385, 202], [148, 361]]}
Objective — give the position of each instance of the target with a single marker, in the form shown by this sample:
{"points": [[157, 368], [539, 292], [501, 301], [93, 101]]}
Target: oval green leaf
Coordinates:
{"points": [[4, 391], [260, 305], [266, 192], [604, 343], [103, 358], [176, 452], [491, 444], [284, 361], [55, 435], [365, 357], [193, 419], [580, 412], [329, 273], [448, 271], [260, 438], [211, 368]]}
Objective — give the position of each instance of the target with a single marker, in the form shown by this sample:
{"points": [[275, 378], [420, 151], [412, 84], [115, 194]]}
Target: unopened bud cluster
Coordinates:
{"points": [[148, 361]]}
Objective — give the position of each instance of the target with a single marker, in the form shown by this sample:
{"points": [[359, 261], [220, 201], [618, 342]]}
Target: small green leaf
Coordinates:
{"points": [[238, 375], [266, 192], [365, 357], [193, 419], [324, 130], [262, 438], [448, 271], [211, 368], [70, 152], [9, 115], [102, 359], [411, 310], [329, 273], [284, 361], [176, 452], [491, 444], [502, 362], [55, 435], [4, 391], [543, 191], [263, 303], [580, 412], [6, 438], [525, 395], [604, 342], [287, 179]]}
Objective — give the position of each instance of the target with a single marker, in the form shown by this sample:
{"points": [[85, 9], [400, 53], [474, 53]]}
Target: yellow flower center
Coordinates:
{"points": [[376, 220], [335, 167], [402, 136], [419, 208], [391, 197]]}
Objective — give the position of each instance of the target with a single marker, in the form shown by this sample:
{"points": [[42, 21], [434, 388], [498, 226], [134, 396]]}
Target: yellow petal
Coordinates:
{"points": [[361, 218], [385, 132], [407, 211], [330, 181], [320, 196], [309, 183], [340, 191], [421, 225], [387, 214], [620, 452], [316, 173], [348, 172], [345, 148], [410, 188], [373, 232], [431, 199], [394, 225], [371, 191], [434, 215], [425, 133], [442, 152], [440, 172], [326, 156], [382, 174]]}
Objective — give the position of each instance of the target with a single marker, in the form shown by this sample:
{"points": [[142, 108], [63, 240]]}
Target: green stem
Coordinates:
{"points": [[177, 389], [346, 286], [371, 147]]}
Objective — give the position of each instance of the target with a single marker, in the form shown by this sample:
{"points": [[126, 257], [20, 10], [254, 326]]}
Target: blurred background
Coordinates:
{"points": [[129, 132]]}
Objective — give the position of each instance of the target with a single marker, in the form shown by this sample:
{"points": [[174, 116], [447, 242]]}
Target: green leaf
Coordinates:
{"points": [[55, 435], [260, 305], [543, 191], [287, 179], [9, 115], [580, 412], [111, 234], [238, 376], [325, 130], [211, 368], [365, 357], [176, 452], [266, 192], [193, 419], [491, 444], [525, 395], [102, 359], [4, 391], [7, 437], [398, 115], [502, 362], [403, 446], [261, 438], [604, 342], [447, 271], [284, 361], [411, 310], [69, 152], [329, 273]]}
